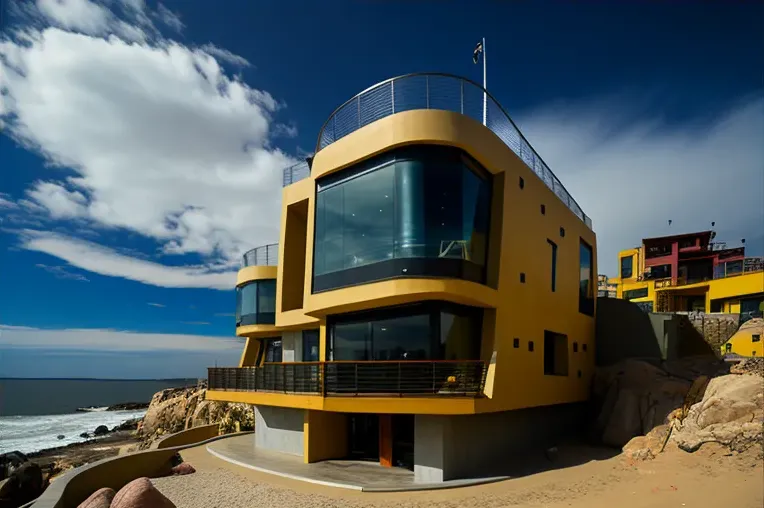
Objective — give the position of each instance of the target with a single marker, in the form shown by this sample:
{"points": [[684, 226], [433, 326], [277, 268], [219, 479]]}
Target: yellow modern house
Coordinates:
{"points": [[689, 272], [748, 340], [434, 291]]}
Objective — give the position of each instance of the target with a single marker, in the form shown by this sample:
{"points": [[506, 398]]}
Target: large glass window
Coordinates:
{"points": [[627, 267], [414, 211], [256, 303], [586, 280], [310, 342], [631, 294], [431, 331]]}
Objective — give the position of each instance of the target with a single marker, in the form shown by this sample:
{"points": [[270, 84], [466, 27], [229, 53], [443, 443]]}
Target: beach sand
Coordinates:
{"points": [[711, 477]]}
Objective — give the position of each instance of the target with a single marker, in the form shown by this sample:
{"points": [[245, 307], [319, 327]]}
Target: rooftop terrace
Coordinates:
{"points": [[433, 91]]}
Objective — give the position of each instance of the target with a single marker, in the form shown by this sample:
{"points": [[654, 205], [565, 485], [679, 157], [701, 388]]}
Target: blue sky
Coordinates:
{"points": [[142, 144]]}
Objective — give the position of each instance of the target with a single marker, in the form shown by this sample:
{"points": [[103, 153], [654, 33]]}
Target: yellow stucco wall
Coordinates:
{"points": [[518, 245], [743, 343], [320, 429], [250, 273]]}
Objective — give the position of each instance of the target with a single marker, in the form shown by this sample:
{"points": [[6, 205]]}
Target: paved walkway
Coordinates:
{"points": [[348, 474]]}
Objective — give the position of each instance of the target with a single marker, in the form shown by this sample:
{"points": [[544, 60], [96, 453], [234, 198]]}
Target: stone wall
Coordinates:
{"points": [[715, 328]]}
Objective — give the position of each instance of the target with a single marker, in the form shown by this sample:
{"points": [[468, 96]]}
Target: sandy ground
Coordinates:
{"points": [[711, 477]]}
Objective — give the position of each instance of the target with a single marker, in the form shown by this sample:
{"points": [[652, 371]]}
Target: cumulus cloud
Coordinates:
{"points": [[155, 137], [632, 172], [105, 261]]}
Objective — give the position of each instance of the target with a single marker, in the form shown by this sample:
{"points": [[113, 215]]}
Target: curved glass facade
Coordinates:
{"points": [[415, 211], [256, 303]]}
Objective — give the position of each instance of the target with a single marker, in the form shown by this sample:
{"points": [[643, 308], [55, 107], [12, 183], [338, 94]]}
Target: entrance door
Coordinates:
{"points": [[403, 441], [363, 437]]}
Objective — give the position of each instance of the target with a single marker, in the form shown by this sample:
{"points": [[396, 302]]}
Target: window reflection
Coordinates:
{"points": [[586, 280], [256, 303], [431, 331], [421, 202]]}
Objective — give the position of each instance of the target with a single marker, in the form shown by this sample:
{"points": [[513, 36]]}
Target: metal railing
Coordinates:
{"points": [[265, 255], [444, 92], [295, 173], [443, 378]]}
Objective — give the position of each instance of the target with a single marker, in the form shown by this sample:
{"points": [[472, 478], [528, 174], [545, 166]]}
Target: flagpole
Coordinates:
{"points": [[485, 87]]}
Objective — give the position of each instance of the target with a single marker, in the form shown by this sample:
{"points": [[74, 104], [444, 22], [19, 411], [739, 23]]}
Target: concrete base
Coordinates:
{"points": [[280, 429], [457, 447]]}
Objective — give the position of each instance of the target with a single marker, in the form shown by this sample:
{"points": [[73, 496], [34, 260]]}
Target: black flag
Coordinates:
{"points": [[476, 53]]}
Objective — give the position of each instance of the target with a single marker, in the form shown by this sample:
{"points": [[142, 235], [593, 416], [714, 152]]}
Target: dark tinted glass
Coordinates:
{"points": [[415, 203], [256, 303]]}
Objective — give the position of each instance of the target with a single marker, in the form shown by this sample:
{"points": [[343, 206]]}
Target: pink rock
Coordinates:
{"points": [[140, 493], [101, 498], [183, 468]]}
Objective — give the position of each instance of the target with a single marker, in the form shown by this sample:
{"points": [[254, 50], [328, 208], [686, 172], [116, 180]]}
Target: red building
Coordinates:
{"points": [[690, 258]]}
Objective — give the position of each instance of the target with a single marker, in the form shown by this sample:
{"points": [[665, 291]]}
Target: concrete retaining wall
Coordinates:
{"points": [[468, 446], [280, 429], [188, 436]]}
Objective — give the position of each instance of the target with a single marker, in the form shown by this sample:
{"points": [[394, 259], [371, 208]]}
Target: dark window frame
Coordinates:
{"points": [[630, 270], [633, 294], [586, 302], [551, 350], [402, 266], [257, 317], [431, 308], [554, 264]]}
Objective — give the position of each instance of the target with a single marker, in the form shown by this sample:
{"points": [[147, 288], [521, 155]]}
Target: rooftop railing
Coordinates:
{"points": [[436, 91], [465, 378], [295, 173], [265, 255]]}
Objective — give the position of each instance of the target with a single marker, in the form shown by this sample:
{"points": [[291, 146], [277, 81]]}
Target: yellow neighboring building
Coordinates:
{"points": [[689, 272], [748, 341], [435, 281]]}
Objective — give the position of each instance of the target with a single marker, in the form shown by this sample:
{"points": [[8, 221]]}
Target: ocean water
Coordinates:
{"points": [[29, 434], [33, 412]]}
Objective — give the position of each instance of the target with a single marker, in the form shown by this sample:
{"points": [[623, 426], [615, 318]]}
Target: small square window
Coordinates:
{"points": [[584, 346], [543, 209], [530, 345], [755, 337], [575, 347], [562, 231], [522, 278], [516, 342], [522, 182]]}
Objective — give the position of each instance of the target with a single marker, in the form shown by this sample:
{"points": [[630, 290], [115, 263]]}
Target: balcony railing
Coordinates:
{"points": [[721, 271], [296, 173], [444, 92], [265, 255], [442, 378]]}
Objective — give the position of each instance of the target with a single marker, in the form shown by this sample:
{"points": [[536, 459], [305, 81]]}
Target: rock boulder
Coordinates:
{"points": [[23, 485], [101, 430], [731, 413]]}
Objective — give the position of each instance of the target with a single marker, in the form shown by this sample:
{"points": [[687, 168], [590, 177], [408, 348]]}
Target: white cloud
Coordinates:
{"points": [[105, 261], [195, 322], [225, 55], [19, 337], [61, 272], [631, 180], [6, 203], [170, 18], [156, 137], [160, 305]]}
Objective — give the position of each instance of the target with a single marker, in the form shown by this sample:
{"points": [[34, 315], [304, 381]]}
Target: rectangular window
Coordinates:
{"points": [[755, 337], [627, 267], [554, 263], [310, 341], [273, 351], [659, 272], [555, 354], [586, 280], [631, 294]]}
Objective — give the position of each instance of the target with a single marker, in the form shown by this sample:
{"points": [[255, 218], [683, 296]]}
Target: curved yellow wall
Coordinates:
{"points": [[250, 273]]}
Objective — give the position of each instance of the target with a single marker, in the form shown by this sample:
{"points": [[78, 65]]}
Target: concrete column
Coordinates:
{"points": [[280, 429], [429, 453]]}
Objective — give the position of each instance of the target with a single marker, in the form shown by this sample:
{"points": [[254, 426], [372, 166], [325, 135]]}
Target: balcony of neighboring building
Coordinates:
{"points": [[432, 91]]}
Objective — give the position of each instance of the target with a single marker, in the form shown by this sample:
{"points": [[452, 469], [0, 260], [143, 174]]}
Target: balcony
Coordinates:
{"points": [[384, 378], [265, 255], [434, 91]]}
